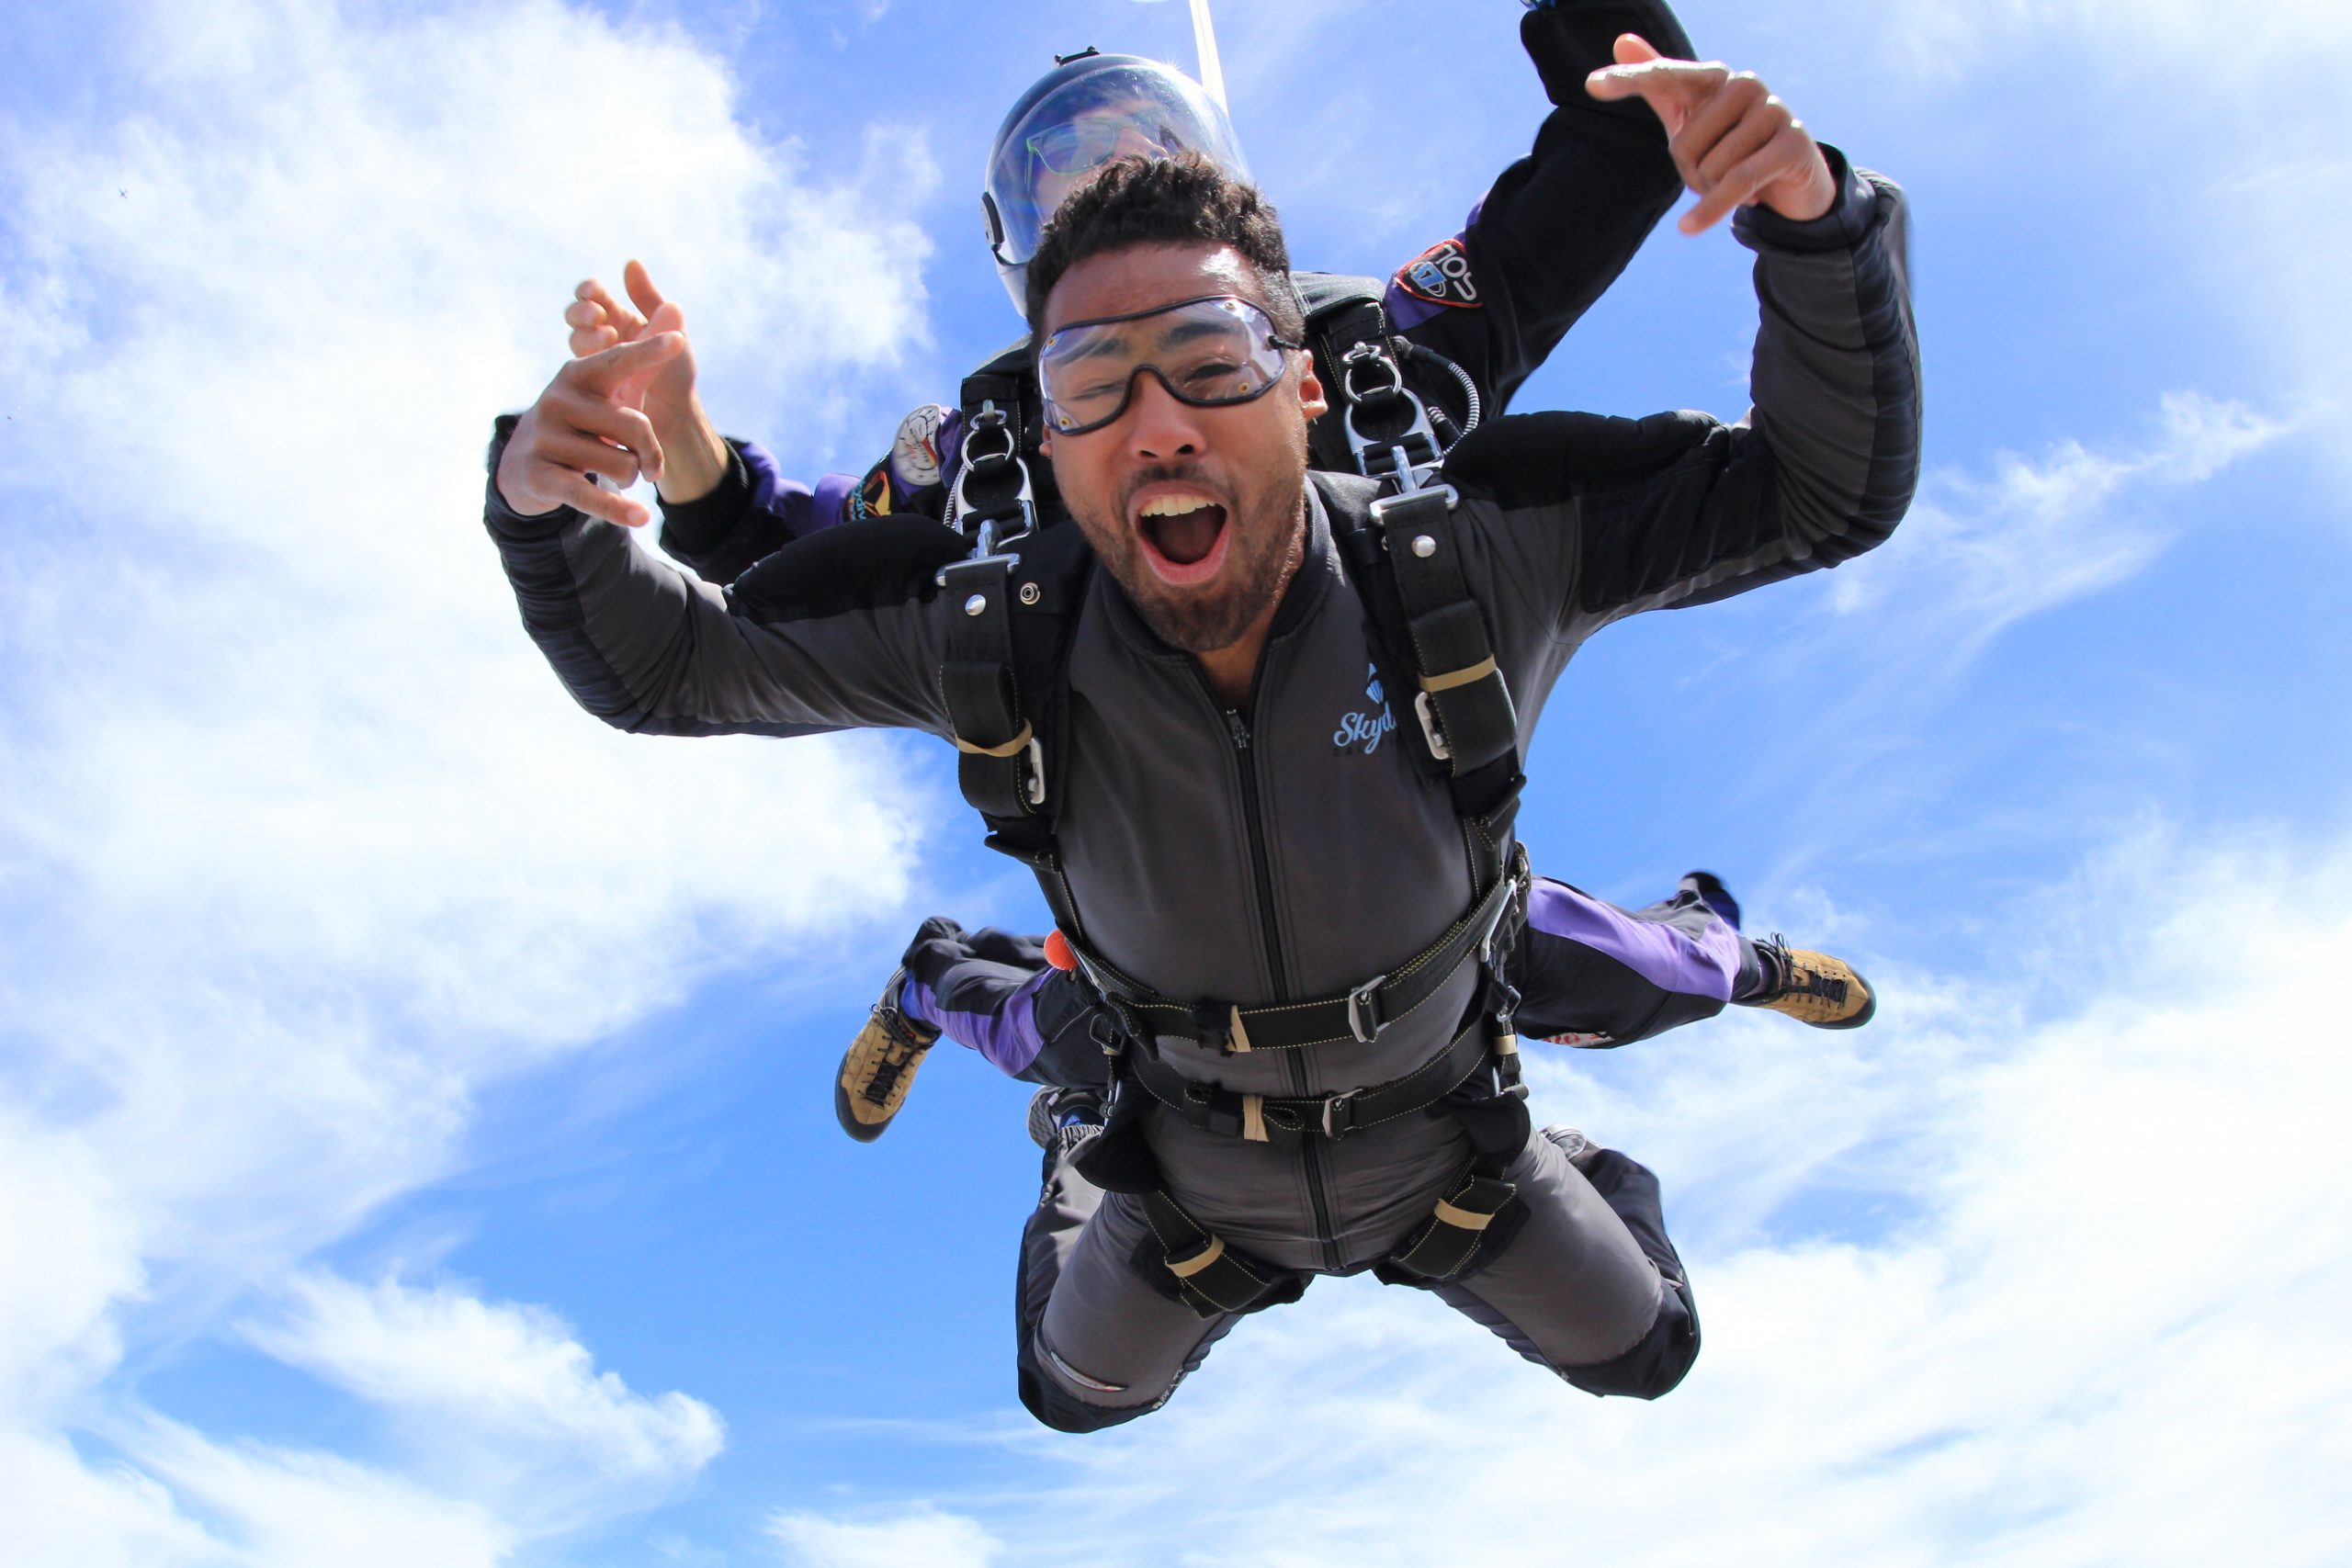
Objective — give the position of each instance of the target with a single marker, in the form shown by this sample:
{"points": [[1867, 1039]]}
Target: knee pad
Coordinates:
{"points": [[1658, 1362], [1046, 1400]]}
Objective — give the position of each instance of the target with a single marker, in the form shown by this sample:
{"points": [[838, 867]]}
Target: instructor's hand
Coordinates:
{"points": [[1735, 143], [588, 423]]}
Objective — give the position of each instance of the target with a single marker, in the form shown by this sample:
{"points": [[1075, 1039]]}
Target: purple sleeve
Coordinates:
{"points": [[801, 509]]}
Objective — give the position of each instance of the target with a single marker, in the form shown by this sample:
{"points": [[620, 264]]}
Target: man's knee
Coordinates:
{"points": [[1655, 1363], [1066, 1413], [1052, 1399]]}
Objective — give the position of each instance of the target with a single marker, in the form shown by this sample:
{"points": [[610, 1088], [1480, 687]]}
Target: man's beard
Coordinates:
{"points": [[1267, 541]]}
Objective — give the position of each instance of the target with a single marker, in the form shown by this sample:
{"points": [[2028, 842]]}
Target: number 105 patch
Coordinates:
{"points": [[1440, 274]]}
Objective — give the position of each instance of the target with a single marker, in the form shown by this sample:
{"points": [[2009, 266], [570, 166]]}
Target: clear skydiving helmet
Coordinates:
{"points": [[1086, 111]]}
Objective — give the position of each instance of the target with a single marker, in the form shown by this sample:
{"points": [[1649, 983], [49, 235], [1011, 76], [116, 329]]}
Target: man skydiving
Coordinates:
{"points": [[1316, 1074], [1494, 300]]}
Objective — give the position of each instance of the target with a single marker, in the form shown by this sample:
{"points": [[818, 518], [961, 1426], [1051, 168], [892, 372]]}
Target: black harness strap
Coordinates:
{"points": [[1463, 704], [1290, 1122], [1358, 1015], [1211, 1278], [1480, 1212], [1002, 771]]}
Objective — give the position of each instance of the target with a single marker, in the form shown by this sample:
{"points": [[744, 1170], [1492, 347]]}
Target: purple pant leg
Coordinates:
{"points": [[1592, 974]]}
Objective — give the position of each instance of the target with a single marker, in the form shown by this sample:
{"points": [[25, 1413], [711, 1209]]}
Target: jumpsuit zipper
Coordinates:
{"points": [[1295, 1067]]}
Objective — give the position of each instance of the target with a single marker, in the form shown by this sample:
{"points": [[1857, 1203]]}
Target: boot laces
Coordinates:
{"points": [[1802, 979]]}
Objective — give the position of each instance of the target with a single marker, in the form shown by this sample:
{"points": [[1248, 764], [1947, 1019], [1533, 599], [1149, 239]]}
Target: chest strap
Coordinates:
{"points": [[1357, 1015]]}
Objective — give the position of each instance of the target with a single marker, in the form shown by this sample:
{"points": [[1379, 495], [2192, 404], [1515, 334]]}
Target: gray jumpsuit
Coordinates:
{"points": [[1249, 855]]}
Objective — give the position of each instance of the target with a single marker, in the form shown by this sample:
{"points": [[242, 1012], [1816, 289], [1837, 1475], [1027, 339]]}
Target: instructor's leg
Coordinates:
{"points": [[1592, 974]]}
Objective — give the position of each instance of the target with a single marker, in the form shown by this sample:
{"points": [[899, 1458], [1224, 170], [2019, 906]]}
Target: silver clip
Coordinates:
{"points": [[1332, 1103], [1360, 1022]]}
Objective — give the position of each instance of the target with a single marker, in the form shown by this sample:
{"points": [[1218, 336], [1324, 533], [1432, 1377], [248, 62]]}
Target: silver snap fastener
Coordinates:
{"points": [[1424, 546], [977, 604], [1031, 593]]}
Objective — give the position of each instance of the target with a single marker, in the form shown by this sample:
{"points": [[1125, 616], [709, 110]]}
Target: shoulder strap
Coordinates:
{"points": [[1430, 640], [1004, 681]]}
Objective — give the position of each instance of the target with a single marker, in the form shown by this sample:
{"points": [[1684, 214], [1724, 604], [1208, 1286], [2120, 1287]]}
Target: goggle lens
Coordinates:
{"points": [[1207, 353], [1084, 144]]}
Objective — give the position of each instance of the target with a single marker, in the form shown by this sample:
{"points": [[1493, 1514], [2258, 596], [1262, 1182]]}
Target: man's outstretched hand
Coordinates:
{"points": [[1735, 143], [589, 423], [695, 453]]}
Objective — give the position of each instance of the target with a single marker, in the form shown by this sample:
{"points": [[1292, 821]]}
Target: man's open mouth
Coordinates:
{"points": [[1183, 535]]}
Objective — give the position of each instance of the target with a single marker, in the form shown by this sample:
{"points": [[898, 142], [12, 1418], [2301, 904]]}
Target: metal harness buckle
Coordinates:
{"points": [[1363, 1011], [1340, 1114], [991, 420]]}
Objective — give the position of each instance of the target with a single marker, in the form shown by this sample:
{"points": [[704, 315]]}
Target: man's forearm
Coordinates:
{"points": [[1835, 377]]}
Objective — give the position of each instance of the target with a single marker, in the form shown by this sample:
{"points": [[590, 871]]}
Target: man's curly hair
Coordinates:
{"points": [[1156, 201]]}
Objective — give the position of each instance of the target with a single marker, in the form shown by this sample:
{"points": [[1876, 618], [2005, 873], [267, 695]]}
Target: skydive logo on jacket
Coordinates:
{"points": [[1365, 730], [1440, 274]]}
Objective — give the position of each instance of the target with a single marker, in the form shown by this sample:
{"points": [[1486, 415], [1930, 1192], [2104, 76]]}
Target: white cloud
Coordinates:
{"points": [[302, 844], [1975, 556], [921, 1536], [499, 1402], [2044, 1268], [278, 1508]]}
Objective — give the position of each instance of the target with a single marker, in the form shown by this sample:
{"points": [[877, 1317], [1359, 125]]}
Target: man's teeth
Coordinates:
{"points": [[1176, 505]]}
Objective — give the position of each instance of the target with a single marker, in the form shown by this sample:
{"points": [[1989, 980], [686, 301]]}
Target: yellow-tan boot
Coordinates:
{"points": [[1812, 988], [879, 1066]]}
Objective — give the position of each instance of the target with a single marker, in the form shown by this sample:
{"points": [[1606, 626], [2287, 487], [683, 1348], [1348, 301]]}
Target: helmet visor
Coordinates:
{"points": [[1206, 352], [1119, 108]]}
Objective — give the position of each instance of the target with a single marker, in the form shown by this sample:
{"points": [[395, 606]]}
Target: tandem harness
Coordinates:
{"points": [[1004, 684]]}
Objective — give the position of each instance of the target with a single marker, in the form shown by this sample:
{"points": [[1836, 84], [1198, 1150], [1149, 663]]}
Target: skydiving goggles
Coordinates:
{"points": [[1075, 148], [1208, 353]]}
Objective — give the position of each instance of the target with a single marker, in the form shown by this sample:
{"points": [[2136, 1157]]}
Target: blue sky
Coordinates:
{"points": [[415, 1139]]}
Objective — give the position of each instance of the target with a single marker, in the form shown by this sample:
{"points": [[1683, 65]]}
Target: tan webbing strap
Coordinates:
{"points": [[1191, 1265], [1253, 1119], [1011, 747], [1461, 1219], [1237, 1034], [1453, 678]]}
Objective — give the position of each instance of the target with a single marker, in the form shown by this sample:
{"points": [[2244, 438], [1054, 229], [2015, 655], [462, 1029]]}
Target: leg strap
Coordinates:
{"points": [[1479, 1212], [1214, 1279]]}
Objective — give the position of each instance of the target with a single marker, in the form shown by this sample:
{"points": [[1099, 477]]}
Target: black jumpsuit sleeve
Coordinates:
{"points": [[1560, 225]]}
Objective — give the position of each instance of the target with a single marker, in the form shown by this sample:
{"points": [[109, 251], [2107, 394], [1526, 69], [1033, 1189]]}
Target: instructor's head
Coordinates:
{"points": [[1177, 395]]}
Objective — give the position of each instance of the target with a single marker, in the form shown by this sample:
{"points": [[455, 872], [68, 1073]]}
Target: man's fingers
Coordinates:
{"points": [[619, 317], [582, 494], [1670, 85], [570, 409], [1632, 48], [1734, 146], [639, 283], [572, 452], [592, 329], [1746, 180], [601, 372]]}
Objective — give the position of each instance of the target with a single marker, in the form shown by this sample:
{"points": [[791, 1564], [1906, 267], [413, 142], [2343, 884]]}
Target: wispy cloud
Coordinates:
{"points": [[497, 1403], [922, 1534], [1976, 555], [302, 845]]}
